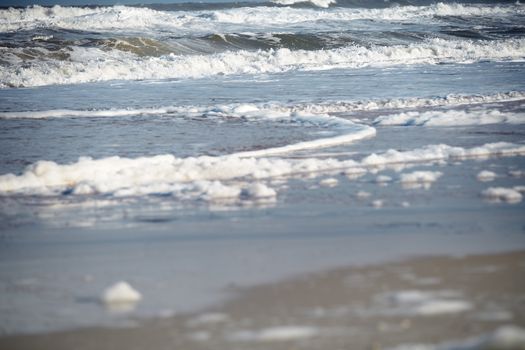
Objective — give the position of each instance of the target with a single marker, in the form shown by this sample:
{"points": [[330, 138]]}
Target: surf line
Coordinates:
{"points": [[348, 132]]}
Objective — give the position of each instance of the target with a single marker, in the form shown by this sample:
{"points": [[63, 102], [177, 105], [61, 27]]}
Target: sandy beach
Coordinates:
{"points": [[476, 301]]}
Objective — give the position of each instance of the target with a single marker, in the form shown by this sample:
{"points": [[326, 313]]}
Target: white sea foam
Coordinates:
{"points": [[345, 130], [383, 179], [517, 173], [378, 203], [350, 132], [274, 110], [425, 303], [120, 293], [503, 338], [363, 194], [451, 118], [502, 194], [94, 64], [318, 3], [506, 337], [421, 176], [282, 333], [209, 178], [329, 182], [486, 176], [207, 319], [419, 179], [449, 100], [68, 113], [220, 21], [520, 189]]}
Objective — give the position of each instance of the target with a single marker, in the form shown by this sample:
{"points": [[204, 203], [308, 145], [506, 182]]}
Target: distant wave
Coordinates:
{"points": [[82, 64], [319, 3], [52, 45], [225, 20]]}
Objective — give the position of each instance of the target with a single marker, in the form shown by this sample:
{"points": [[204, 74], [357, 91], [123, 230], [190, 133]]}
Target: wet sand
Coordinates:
{"points": [[429, 300]]}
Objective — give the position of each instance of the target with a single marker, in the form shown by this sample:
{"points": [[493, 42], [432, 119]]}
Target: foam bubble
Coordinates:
{"points": [[486, 176], [502, 194], [329, 182], [378, 203], [363, 194], [421, 176], [383, 179], [419, 179]]}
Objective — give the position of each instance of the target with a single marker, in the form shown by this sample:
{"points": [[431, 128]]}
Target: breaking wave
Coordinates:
{"points": [[81, 65], [118, 18]]}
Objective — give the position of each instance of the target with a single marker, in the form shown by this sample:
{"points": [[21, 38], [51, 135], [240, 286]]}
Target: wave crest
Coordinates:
{"points": [[139, 19], [318, 3], [93, 64]]}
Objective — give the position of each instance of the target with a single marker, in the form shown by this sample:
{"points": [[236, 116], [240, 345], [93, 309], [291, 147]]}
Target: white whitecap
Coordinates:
{"points": [[451, 118], [88, 64]]}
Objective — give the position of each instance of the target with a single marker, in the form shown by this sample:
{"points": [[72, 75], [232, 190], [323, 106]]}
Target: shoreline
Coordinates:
{"points": [[426, 300]]}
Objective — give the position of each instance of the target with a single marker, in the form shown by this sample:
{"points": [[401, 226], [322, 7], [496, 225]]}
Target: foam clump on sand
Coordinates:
{"points": [[437, 307], [121, 293], [502, 194], [283, 333], [486, 176], [208, 318], [425, 303], [503, 338]]}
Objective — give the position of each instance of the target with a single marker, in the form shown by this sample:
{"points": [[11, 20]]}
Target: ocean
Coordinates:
{"points": [[245, 142]]}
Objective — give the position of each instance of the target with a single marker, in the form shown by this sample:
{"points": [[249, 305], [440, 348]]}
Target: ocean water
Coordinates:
{"points": [[162, 124]]}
